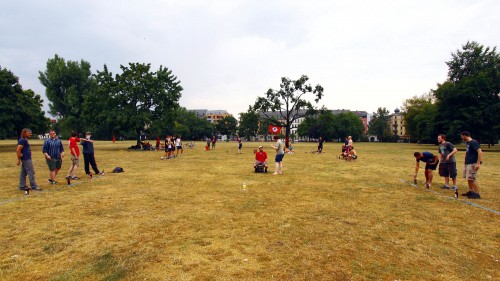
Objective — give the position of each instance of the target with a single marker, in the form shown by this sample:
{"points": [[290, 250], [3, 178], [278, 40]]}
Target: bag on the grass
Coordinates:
{"points": [[118, 170]]}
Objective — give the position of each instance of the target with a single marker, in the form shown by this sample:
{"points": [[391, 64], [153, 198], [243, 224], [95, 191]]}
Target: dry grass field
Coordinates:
{"points": [[189, 218]]}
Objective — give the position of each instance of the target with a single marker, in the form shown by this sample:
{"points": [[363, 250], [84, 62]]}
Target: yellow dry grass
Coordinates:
{"points": [[189, 219]]}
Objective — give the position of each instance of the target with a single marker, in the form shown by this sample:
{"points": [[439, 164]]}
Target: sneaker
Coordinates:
{"points": [[75, 178], [474, 195], [427, 185], [454, 187], [36, 188], [23, 188], [50, 181], [445, 186], [102, 173], [467, 193], [53, 182]]}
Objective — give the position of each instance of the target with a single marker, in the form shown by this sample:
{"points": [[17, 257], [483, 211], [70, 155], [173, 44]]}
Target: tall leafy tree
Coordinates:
{"points": [[249, 123], [470, 99], [99, 109], [347, 124], [19, 108], [227, 125], [379, 125], [66, 84], [288, 101], [419, 115], [146, 99]]}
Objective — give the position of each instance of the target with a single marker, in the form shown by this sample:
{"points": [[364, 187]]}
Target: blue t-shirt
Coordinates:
{"points": [[26, 150], [427, 157], [471, 152], [53, 147], [88, 147]]}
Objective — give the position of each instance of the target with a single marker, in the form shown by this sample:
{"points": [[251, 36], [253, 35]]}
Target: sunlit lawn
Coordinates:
{"points": [[190, 219]]}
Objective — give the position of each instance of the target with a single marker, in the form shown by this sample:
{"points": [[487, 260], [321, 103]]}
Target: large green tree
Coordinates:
{"points": [[470, 98], [227, 125], [146, 99], [249, 124], [379, 124], [19, 108], [331, 126], [66, 84], [348, 124], [419, 115], [289, 102]]}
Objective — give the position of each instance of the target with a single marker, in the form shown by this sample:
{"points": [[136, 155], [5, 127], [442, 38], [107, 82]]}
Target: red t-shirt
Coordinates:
{"points": [[261, 156], [73, 144]]}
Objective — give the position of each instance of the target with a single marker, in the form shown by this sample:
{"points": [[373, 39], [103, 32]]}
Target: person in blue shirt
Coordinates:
{"points": [[24, 159], [431, 162]]}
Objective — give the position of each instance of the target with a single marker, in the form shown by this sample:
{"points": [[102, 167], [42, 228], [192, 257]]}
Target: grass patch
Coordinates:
{"points": [[189, 219]]}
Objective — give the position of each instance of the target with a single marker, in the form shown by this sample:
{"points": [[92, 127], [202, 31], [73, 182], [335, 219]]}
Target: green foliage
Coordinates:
{"points": [[19, 108], [469, 99], [379, 125], [66, 85], [190, 126], [330, 126], [288, 101], [227, 125], [249, 124], [420, 114]]}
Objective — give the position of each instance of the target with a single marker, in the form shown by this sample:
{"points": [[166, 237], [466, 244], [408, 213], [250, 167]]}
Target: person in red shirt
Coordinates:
{"points": [[75, 157], [261, 158]]}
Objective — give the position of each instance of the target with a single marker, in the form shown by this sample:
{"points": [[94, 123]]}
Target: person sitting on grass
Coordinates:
{"points": [[431, 162]]}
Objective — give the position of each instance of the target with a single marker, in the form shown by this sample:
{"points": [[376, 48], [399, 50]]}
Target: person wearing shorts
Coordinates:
{"points": [[431, 162], [473, 161], [280, 153], [75, 157], [447, 165], [53, 151], [240, 144], [178, 145]]}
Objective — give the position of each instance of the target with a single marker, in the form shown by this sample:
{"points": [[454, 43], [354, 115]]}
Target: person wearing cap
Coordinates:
{"points": [[24, 159], [261, 158], [88, 155], [473, 160]]}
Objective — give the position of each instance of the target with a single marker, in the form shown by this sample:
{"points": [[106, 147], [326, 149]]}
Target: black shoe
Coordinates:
{"points": [[36, 188], [474, 196], [467, 193], [50, 181]]}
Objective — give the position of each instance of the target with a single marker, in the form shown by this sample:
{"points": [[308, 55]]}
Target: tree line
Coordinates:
{"points": [[142, 100]]}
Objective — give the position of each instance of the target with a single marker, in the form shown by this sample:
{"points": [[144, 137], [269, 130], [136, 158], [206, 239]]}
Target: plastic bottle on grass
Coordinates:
{"points": [[244, 186]]}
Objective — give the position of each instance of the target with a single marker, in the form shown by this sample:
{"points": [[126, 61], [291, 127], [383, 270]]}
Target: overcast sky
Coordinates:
{"points": [[226, 53]]}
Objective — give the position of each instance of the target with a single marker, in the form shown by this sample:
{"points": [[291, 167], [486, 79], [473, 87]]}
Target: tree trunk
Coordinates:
{"points": [[138, 133], [287, 135]]}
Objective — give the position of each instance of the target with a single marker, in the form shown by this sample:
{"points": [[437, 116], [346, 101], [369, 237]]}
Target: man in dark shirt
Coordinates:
{"points": [[24, 159], [473, 160], [431, 162], [88, 155]]}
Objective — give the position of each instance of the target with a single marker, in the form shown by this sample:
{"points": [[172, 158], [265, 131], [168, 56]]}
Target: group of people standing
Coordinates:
{"points": [[53, 150], [447, 164], [172, 143]]}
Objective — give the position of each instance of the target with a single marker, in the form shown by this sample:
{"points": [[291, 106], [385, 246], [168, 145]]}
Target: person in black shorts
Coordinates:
{"points": [[431, 162]]}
